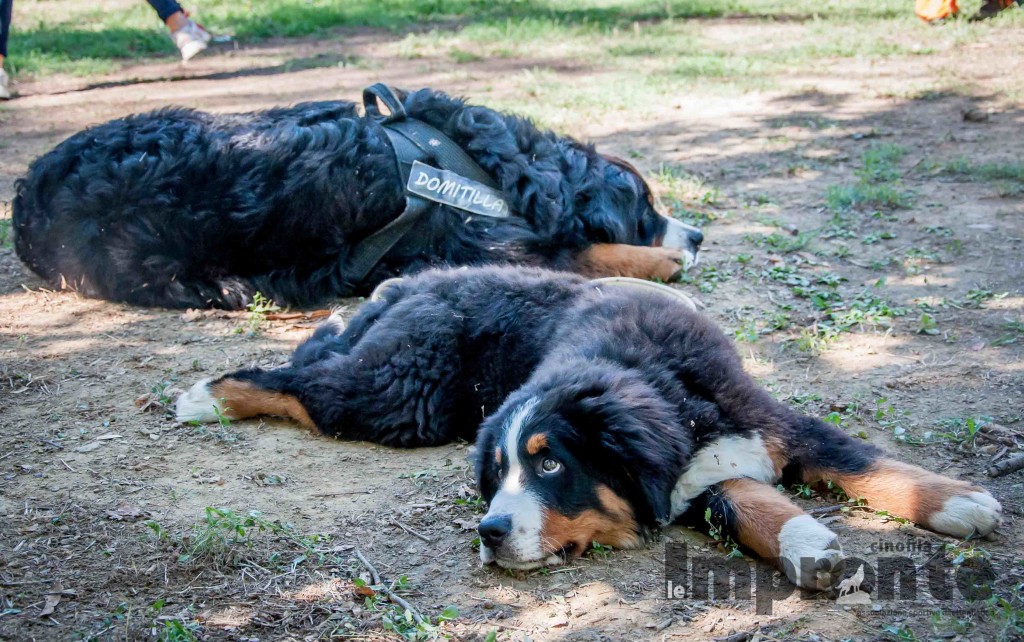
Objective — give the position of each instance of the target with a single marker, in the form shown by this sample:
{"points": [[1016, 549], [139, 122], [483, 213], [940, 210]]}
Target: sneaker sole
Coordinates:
{"points": [[191, 49]]}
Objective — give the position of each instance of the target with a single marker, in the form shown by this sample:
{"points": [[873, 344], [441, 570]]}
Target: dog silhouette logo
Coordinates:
{"points": [[852, 583]]}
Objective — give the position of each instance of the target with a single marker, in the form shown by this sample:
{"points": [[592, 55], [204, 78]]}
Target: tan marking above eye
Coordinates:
{"points": [[536, 443], [497, 455]]}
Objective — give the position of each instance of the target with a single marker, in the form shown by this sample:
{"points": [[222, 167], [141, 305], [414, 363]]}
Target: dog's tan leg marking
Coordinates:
{"points": [[943, 504], [637, 261], [242, 399], [775, 528]]}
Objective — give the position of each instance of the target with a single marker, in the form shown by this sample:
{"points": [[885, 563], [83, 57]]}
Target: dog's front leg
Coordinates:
{"points": [[759, 518], [637, 261]]}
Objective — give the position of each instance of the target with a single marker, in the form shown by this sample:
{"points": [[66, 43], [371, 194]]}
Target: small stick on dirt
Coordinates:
{"points": [[742, 636], [7, 455], [386, 591], [412, 532], [1006, 466], [825, 510], [999, 455]]}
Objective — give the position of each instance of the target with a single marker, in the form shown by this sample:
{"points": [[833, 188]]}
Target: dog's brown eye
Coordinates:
{"points": [[550, 466]]}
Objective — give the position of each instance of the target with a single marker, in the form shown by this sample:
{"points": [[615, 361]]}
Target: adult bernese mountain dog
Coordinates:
{"points": [[598, 414], [180, 208]]}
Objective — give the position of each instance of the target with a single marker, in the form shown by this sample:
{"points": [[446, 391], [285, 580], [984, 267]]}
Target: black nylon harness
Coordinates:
{"points": [[416, 144]]}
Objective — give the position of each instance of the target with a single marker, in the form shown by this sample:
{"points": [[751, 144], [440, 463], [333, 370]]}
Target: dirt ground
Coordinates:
{"points": [[103, 530]]}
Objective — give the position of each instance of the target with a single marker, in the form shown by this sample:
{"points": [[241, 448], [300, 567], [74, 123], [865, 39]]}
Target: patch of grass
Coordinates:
{"points": [[1013, 331], [878, 163], [957, 430], [780, 241], [260, 307], [707, 279], [860, 195], [1008, 171], [878, 183], [976, 297], [927, 324], [6, 238], [600, 551], [681, 186], [178, 631], [724, 540], [227, 539], [747, 332], [1007, 611], [400, 620]]}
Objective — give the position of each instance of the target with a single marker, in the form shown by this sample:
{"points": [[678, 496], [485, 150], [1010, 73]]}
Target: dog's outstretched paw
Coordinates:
{"points": [[198, 404], [810, 553], [963, 515]]}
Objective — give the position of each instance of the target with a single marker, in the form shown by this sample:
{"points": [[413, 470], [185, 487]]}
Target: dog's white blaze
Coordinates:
{"points": [[677, 236], [198, 404], [729, 457], [962, 515], [803, 537], [513, 499]]}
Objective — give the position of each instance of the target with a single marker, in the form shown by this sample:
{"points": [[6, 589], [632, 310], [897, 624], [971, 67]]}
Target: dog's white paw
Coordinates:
{"points": [[963, 515], [198, 404], [810, 554]]}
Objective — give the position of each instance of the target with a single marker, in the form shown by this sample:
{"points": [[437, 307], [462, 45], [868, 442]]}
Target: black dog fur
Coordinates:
{"points": [[180, 208], [597, 412]]}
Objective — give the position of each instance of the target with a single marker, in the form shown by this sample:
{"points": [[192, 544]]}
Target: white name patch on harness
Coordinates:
{"points": [[449, 188]]}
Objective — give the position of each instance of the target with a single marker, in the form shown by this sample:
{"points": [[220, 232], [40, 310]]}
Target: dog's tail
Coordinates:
{"points": [[246, 393]]}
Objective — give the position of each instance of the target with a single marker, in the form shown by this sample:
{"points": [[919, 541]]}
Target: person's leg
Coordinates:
{"points": [[5, 29], [167, 10], [189, 37]]}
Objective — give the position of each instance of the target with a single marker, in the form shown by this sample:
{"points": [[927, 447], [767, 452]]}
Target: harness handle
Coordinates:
{"points": [[383, 93]]}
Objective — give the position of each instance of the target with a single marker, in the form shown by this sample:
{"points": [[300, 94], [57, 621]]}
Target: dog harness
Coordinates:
{"points": [[433, 168]]}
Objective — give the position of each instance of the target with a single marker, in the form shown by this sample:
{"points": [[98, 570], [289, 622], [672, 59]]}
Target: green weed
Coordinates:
{"points": [[260, 307], [720, 536]]}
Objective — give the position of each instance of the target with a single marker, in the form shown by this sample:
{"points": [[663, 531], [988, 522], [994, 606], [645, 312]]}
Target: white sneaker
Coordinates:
{"points": [[190, 40], [5, 93]]}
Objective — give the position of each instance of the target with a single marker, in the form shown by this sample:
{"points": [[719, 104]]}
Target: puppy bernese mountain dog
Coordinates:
{"points": [[180, 208], [598, 413]]}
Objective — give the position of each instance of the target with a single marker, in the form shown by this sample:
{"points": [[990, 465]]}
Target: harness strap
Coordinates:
{"points": [[412, 141]]}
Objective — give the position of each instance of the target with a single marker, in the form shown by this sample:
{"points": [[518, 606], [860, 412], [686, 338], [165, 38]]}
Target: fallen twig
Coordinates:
{"points": [[741, 636], [824, 510], [412, 532], [375, 576], [1006, 466]]}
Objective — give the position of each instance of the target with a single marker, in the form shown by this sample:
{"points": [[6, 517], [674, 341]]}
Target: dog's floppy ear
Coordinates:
{"points": [[633, 434], [484, 462]]}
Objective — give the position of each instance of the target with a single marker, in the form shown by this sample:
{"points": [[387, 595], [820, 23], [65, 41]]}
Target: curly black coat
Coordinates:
{"points": [[597, 412], [181, 208]]}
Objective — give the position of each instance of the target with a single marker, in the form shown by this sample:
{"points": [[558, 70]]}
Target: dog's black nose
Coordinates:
{"points": [[696, 237], [494, 530]]}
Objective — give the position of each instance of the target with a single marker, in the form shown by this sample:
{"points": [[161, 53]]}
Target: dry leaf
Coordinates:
{"points": [[89, 447], [363, 591], [52, 599]]}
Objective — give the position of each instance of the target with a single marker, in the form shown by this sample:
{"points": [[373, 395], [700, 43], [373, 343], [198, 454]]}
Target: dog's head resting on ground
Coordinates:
{"points": [[565, 189], [579, 455]]}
